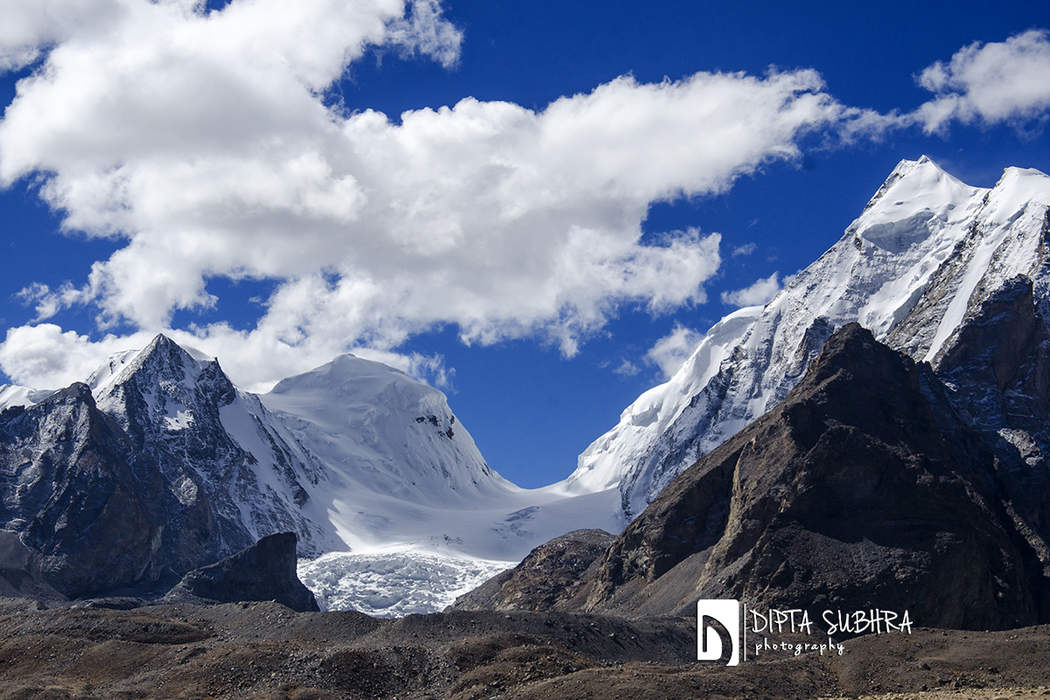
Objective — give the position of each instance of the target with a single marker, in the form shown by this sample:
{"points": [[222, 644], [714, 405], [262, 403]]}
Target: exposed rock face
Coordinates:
{"points": [[263, 571], [550, 572], [99, 514], [172, 407], [123, 484], [998, 367], [20, 573], [864, 488]]}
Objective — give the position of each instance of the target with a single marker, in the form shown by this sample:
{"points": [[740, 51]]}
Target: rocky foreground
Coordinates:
{"points": [[265, 650]]}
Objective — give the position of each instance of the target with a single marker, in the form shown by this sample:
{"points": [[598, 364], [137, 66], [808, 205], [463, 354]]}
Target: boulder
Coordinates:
{"points": [[264, 571]]}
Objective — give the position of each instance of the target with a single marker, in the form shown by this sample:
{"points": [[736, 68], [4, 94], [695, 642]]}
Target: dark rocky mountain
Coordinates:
{"points": [[171, 406], [549, 573], [70, 480], [123, 484], [264, 571], [865, 487], [997, 366], [20, 571]]}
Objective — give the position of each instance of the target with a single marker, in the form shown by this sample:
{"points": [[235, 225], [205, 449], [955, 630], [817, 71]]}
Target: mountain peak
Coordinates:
{"points": [[350, 375], [853, 347], [161, 339], [926, 250], [162, 357], [907, 167], [163, 348], [853, 358], [922, 173], [916, 192]]}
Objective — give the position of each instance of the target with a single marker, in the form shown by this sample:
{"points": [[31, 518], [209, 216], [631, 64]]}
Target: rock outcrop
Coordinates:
{"points": [[543, 577], [263, 571], [20, 572]]}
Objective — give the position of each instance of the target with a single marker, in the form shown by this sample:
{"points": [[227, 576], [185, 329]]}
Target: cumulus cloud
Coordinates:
{"points": [[673, 349], [990, 83], [203, 142], [761, 291], [47, 357], [746, 249]]}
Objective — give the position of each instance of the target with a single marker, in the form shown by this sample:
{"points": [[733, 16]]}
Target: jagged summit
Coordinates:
{"points": [[161, 357], [926, 251], [922, 169], [909, 204]]}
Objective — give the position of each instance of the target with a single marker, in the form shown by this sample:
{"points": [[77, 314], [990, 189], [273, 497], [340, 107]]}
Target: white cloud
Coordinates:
{"points": [[761, 291], [746, 249], [673, 349], [45, 356], [425, 32], [1007, 81], [626, 369], [202, 141]]}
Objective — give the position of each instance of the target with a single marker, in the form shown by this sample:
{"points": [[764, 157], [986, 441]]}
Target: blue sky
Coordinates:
{"points": [[87, 156]]}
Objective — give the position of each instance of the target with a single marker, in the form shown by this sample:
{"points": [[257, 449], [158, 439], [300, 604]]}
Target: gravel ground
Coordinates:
{"points": [[264, 650]]}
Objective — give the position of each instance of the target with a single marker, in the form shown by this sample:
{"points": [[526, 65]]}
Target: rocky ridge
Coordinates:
{"points": [[866, 487]]}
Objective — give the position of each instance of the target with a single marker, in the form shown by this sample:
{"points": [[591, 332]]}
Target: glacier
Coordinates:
{"points": [[395, 582]]}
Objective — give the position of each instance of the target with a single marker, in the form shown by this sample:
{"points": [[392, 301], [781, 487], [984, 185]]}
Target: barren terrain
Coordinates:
{"points": [[265, 650]]}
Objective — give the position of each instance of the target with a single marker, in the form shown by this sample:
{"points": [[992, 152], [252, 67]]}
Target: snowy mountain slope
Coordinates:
{"points": [[384, 431], [926, 250], [359, 459], [14, 395], [401, 471], [353, 455], [606, 460]]}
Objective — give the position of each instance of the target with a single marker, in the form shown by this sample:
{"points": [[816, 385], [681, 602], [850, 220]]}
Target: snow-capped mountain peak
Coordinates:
{"points": [[162, 358], [915, 192], [383, 431], [349, 382], [358, 458], [926, 250]]}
